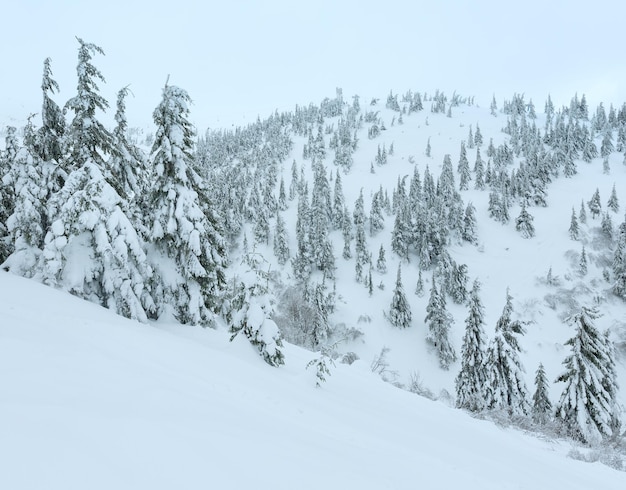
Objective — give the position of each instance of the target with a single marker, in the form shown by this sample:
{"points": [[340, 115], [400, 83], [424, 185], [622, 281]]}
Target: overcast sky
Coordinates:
{"points": [[239, 59]]}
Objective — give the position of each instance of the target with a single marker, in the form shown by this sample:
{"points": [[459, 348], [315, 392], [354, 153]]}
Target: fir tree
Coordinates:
{"points": [[506, 388], [26, 225], [419, 287], [471, 381], [87, 138], [606, 227], [613, 203], [595, 205], [587, 407], [400, 310], [573, 226], [479, 170], [524, 223], [184, 232], [377, 220], [582, 214], [381, 262], [281, 240], [478, 138], [50, 134], [346, 231], [493, 107], [542, 407], [582, 264], [89, 222], [252, 307], [439, 322], [619, 264], [339, 203], [463, 169], [607, 147]]}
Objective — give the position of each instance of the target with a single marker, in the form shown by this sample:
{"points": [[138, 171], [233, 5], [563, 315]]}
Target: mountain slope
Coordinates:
{"points": [[91, 400]]}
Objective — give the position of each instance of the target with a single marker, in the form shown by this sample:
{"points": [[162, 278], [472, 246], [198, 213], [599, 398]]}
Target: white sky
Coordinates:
{"points": [[239, 59]]}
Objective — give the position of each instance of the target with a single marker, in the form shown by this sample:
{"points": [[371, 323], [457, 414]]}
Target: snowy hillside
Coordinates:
{"points": [[414, 244], [91, 400]]}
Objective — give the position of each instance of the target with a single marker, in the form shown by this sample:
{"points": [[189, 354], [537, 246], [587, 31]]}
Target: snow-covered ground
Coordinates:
{"points": [[91, 400]]}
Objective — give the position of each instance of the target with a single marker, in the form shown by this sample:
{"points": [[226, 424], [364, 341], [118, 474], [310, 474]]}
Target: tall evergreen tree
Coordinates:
{"points": [[87, 138], [613, 203], [26, 225], [281, 240], [252, 307], [400, 310], [506, 388], [439, 322], [92, 249], [542, 407], [587, 406], [50, 134], [471, 381], [187, 248], [573, 226], [524, 223], [595, 205]]}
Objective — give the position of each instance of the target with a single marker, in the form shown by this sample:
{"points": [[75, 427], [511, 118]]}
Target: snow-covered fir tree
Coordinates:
{"points": [[574, 229], [26, 225], [381, 262], [587, 407], [613, 202], [251, 310], [187, 248], [470, 383], [595, 205], [400, 311], [92, 249], [281, 240], [87, 138], [524, 223], [542, 407], [506, 388], [439, 322]]}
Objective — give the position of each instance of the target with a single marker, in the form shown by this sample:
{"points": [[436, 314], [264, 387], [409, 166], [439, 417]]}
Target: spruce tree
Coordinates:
{"points": [[281, 240], [613, 203], [619, 264], [188, 251], [252, 307], [587, 407], [381, 262], [471, 380], [26, 225], [419, 287], [573, 226], [595, 206], [582, 214], [524, 223], [542, 407], [87, 138], [50, 134], [92, 250], [582, 263], [439, 322], [506, 389], [463, 169], [400, 310]]}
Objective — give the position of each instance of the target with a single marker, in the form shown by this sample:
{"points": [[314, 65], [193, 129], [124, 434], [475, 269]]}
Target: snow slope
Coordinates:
{"points": [[91, 400], [503, 258]]}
